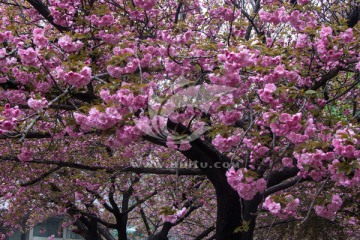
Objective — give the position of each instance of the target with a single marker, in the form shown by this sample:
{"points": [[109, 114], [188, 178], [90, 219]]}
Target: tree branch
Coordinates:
{"points": [[325, 78], [116, 169], [279, 176], [205, 233], [43, 10], [41, 177]]}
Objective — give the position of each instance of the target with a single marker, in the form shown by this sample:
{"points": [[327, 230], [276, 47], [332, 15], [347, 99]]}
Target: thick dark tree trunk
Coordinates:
{"points": [[230, 214], [122, 235], [92, 233], [250, 213]]}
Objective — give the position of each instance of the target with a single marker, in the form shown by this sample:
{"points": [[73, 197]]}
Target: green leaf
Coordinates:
{"points": [[167, 210], [310, 92], [345, 167], [243, 228]]}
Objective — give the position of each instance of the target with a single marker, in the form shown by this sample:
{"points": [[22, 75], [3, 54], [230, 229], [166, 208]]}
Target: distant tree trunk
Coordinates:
{"points": [[122, 228], [23, 236]]}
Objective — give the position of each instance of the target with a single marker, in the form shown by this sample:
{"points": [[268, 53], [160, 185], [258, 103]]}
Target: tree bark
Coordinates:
{"points": [[228, 213]]}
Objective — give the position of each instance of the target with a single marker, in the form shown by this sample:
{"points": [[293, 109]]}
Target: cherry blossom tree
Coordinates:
{"points": [[191, 119]]}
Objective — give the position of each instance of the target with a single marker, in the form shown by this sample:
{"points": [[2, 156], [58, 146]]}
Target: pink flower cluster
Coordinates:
{"points": [[303, 41], [2, 53], [237, 60], [225, 144], [279, 73], [76, 79], [29, 57], [123, 102], [124, 136], [104, 21], [276, 17], [63, 11], [109, 38], [330, 209], [285, 208], [25, 155], [287, 162], [341, 143], [172, 218], [260, 151], [223, 13], [231, 78], [132, 63], [37, 104], [345, 170], [347, 36], [267, 61], [23, 77], [229, 117], [342, 176], [5, 36], [69, 45], [131, 66], [322, 46], [145, 4], [8, 118], [39, 39], [14, 96], [244, 182], [286, 125], [313, 164], [125, 98], [298, 20], [99, 120], [303, 1], [233, 62], [266, 94]]}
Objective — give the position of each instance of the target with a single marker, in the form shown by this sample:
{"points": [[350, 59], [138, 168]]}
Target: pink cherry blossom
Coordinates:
{"points": [[329, 210], [79, 79], [247, 187], [68, 45], [145, 4], [39, 39], [29, 57], [25, 155], [37, 104]]}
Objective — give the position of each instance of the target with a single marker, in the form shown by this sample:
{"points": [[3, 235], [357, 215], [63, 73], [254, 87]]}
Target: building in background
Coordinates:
{"points": [[44, 230]]}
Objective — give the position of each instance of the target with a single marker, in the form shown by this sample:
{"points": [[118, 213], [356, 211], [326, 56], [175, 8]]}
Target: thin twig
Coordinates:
{"points": [[313, 201], [30, 126]]}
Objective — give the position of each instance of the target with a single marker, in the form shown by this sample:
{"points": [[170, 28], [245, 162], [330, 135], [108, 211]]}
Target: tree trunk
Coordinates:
{"points": [[229, 209], [250, 213], [163, 234], [122, 235], [230, 214]]}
